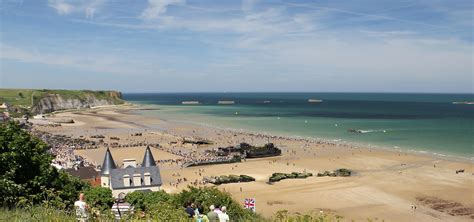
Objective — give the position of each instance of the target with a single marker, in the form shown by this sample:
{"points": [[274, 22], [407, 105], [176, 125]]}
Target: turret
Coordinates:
{"points": [[148, 159], [107, 165]]}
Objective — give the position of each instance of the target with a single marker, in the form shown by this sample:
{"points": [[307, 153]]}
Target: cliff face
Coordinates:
{"points": [[53, 102]]}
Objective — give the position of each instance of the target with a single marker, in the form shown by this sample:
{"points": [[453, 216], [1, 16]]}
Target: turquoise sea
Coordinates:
{"points": [[416, 122]]}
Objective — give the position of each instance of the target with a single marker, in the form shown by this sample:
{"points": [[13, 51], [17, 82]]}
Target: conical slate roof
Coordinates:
{"points": [[148, 159], [108, 163]]}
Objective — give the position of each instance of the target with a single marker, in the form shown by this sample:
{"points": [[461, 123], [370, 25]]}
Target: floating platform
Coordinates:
{"points": [[190, 102], [464, 103], [226, 102], [315, 100]]}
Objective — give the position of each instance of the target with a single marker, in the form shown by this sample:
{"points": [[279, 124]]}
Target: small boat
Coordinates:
{"points": [[267, 101]]}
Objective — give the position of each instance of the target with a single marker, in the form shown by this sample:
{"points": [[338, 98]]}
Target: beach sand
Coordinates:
{"points": [[385, 186]]}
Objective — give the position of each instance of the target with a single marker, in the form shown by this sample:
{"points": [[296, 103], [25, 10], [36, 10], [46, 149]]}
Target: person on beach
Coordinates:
{"points": [[81, 209], [212, 215], [223, 217]]}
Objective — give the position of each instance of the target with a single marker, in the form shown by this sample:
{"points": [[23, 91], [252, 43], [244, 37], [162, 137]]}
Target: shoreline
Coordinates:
{"points": [[421, 152]]}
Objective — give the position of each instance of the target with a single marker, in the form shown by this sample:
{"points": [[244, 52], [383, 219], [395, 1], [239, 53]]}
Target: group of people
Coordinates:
{"points": [[215, 214], [122, 210], [62, 148]]}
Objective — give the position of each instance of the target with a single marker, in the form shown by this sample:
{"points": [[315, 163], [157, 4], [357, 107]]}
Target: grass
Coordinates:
{"points": [[42, 213]]}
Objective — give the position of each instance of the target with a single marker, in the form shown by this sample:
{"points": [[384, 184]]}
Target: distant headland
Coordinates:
{"points": [[20, 102]]}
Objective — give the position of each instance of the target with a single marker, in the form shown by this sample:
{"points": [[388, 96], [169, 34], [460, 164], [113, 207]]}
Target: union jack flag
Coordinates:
{"points": [[249, 203]]}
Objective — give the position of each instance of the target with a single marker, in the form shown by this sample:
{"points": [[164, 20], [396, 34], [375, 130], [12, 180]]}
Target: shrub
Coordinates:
{"points": [[99, 197], [166, 212], [208, 196], [141, 200]]}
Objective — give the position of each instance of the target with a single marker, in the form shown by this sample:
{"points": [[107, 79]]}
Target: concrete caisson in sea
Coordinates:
{"points": [[315, 100], [226, 102], [190, 102]]}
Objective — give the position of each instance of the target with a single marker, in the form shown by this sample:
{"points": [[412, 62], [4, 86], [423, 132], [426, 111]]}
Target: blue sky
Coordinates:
{"points": [[248, 45]]}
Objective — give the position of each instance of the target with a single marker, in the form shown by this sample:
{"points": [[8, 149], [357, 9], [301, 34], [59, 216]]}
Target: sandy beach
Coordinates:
{"points": [[386, 184]]}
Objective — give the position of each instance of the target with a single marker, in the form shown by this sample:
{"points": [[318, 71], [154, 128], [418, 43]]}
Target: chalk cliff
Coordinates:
{"points": [[51, 102]]}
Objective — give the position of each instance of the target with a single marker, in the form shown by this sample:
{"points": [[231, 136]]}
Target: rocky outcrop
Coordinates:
{"points": [[87, 99]]}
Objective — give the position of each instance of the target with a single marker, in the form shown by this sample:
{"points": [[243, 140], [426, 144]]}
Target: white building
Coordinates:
{"points": [[131, 177]]}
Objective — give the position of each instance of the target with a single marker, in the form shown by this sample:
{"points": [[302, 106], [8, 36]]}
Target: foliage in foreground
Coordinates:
{"points": [[160, 213], [26, 176]]}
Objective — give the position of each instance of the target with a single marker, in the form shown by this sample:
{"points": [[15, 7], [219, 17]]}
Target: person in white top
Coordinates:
{"points": [[81, 209], [223, 217]]}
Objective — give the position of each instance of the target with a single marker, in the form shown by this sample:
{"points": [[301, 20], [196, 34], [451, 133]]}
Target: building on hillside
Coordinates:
{"points": [[132, 177]]}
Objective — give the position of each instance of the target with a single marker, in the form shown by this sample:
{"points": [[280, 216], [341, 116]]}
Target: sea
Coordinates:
{"points": [[426, 123]]}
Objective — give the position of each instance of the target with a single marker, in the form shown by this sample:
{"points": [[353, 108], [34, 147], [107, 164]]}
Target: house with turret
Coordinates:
{"points": [[131, 177]]}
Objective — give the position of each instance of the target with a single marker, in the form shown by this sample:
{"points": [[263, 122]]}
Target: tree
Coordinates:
{"points": [[26, 176]]}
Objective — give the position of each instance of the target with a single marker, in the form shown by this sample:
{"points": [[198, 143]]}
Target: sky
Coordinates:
{"points": [[238, 46]]}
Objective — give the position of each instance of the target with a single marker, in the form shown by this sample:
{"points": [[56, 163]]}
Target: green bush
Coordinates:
{"points": [[208, 196], [99, 197], [26, 176], [141, 200], [166, 212]]}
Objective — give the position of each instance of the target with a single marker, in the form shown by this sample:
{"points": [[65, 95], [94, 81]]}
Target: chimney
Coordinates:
{"points": [[137, 180], [126, 180], [129, 162], [147, 178]]}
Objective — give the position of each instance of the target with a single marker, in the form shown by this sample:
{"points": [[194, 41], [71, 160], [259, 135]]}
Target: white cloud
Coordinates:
{"points": [[61, 6], [88, 7], [158, 7]]}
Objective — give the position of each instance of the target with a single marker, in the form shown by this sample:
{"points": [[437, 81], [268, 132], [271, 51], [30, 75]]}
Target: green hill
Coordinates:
{"points": [[31, 101]]}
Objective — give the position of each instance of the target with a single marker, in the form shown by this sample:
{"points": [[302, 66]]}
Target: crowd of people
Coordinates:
{"points": [[62, 148]]}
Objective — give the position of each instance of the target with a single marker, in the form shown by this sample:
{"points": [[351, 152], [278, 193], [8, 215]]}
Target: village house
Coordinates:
{"points": [[132, 177]]}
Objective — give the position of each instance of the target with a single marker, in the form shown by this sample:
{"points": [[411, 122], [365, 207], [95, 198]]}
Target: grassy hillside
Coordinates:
{"points": [[21, 100]]}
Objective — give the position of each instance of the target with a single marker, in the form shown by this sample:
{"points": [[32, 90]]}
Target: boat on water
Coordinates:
{"points": [[226, 102], [267, 101], [315, 100], [464, 103], [190, 102]]}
